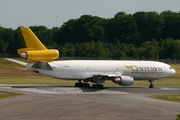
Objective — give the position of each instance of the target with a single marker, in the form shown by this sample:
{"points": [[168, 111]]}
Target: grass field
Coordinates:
{"points": [[175, 98], [8, 94], [11, 73]]}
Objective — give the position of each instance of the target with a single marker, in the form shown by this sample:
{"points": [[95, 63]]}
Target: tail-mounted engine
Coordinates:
{"points": [[35, 55]]}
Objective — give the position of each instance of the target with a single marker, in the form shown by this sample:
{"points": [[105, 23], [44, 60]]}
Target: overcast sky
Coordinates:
{"points": [[49, 13]]}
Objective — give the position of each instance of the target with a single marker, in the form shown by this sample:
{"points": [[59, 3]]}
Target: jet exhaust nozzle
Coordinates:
{"points": [[23, 55]]}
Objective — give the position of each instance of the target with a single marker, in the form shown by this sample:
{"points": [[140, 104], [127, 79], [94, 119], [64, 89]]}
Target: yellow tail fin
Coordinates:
{"points": [[31, 40], [35, 49]]}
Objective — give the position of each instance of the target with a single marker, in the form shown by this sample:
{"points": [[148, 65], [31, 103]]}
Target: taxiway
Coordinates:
{"points": [[42, 102]]}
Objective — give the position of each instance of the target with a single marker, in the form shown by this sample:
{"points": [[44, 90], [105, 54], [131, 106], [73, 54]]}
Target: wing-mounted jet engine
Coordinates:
{"points": [[124, 80]]}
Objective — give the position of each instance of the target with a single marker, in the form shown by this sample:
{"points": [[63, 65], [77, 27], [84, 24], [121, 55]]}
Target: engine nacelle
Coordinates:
{"points": [[124, 80], [46, 55]]}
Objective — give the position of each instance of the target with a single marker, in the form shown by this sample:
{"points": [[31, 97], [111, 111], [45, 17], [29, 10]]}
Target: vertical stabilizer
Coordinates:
{"points": [[31, 39], [35, 49]]}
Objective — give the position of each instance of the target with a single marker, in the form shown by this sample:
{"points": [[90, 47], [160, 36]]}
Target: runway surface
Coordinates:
{"points": [[46, 102]]}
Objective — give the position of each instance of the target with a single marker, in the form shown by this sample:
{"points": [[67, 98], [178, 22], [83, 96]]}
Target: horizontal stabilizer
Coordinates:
{"points": [[42, 65], [16, 61]]}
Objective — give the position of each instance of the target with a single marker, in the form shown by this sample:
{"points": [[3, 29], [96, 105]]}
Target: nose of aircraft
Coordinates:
{"points": [[172, 72]]}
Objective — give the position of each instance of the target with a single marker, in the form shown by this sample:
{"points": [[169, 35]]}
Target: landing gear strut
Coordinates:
{"points": [[151, 84], [80, 84]]}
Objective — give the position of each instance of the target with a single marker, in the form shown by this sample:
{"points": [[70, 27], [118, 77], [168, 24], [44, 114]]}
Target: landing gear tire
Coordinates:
{"points": [[97, 86], [86, 85], [77, 84], [81, 84], [151, 84]]}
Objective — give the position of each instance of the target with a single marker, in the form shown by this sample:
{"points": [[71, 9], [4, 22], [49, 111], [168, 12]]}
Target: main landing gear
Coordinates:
{"points": [[80, 84], [151, 84], [85, 84]]}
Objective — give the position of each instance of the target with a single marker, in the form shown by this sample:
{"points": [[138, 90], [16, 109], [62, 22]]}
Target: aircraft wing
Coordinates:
{"points": [[107, 76], [16, 61]]}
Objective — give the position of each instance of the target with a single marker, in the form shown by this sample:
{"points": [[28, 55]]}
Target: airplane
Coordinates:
{"points": [[122, 72]]}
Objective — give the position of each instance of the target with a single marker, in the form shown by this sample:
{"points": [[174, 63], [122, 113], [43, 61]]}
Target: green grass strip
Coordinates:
{"points": [[8, 94], [175, 98]]}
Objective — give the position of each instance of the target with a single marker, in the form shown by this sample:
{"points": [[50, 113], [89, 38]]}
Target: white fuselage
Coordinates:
{"points": [[83, 69]]}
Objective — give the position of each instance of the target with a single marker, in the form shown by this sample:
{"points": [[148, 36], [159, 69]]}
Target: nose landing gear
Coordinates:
{"points": [[151, 84]]}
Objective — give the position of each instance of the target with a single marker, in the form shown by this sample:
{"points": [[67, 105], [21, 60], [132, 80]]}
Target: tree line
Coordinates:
{"points": [[142, 35]]}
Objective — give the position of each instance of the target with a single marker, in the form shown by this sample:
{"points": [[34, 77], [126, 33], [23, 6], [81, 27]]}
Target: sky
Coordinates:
{"points": [[53, 13]]}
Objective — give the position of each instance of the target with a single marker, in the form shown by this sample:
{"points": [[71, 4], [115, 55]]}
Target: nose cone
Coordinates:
{"points": [[172, 72]]}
